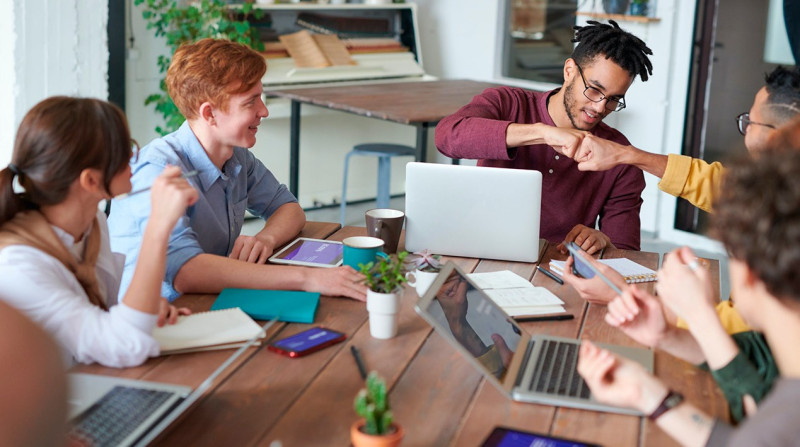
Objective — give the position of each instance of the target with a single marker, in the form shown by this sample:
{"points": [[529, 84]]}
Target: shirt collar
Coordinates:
{"points": [[198, 158]]}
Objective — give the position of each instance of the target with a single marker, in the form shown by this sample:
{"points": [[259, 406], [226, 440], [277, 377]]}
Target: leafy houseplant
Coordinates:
{"points": [[372, 404], [386, 275], [180, 22], [383, 280]]}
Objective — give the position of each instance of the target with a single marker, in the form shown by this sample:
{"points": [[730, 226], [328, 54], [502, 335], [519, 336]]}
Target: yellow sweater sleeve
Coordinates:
{"points": [[692, 179]]}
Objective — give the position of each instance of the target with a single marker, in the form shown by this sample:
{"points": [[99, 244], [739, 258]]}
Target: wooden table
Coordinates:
{"points": [[437, 396], [420, 104]]}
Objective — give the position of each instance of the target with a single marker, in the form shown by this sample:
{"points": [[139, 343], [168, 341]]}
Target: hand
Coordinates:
{"points": [[252, 249], [564, 141], [684, 287], [589, 239], [453, 299], [639, 315], [619, 381], [502, 349], [594, 290], [168, 314], [598, 154], [170, 195], [339, 281]]}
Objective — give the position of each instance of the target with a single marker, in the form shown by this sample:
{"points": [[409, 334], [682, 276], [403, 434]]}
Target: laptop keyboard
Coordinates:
{"points": [[116, 415], [556, 373]]}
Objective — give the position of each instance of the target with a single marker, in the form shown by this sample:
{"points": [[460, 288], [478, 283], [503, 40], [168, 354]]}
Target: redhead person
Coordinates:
{"points": [[757, 218], [56, 265], [216, 84]]}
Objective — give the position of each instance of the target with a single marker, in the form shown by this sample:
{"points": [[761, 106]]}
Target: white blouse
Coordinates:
{"points": [[47, 292]]}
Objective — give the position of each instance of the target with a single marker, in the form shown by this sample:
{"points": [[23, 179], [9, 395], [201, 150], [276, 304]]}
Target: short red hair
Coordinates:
{"points": [[212, 70]]}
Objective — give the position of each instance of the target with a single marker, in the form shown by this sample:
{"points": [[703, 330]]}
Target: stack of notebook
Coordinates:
{"points": [[632, 272]]}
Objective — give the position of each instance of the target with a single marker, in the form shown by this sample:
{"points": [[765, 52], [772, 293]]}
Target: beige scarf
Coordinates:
{"points": [[32, 229]]}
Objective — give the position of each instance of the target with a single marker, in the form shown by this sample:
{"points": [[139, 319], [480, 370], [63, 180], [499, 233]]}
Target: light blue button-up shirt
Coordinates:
{"points": [[209, 226]]}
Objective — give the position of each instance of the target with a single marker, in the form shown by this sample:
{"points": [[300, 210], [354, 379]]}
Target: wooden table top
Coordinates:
{"points": [[436, 394], [401, 102]]}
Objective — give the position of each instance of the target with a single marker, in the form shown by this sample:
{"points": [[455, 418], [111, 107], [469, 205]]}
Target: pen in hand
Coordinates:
{"points": [[550, 275], [128, 194], [360, 363]]}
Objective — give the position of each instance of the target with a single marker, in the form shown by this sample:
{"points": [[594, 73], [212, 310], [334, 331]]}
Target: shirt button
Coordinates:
{"points": [[556, 157], [550, 171]]}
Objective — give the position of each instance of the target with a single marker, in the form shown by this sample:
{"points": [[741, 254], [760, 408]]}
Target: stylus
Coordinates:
{"points": [[133, 193], [550, 275], [360, 363], [559, 317]]}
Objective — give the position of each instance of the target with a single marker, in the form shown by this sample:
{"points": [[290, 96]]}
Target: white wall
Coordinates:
{"points": [[49, 48]]}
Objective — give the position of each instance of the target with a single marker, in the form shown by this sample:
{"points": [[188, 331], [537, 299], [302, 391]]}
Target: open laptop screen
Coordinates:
{"points": [[475, 322]]}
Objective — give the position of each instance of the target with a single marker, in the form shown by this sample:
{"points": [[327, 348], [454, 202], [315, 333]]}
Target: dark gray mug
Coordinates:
{"points": [[386, 224]]}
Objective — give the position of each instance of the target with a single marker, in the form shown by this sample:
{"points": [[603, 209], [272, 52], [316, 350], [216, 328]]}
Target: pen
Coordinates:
{"points": [[550, 275], [128, 194], [360, 363], [559, 317]]}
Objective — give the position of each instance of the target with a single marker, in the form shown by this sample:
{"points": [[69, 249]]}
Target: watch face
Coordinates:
{"points": [[673, 400]]}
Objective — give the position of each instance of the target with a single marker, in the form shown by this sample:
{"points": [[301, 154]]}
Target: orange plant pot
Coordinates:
{"points": [[361, 439]]}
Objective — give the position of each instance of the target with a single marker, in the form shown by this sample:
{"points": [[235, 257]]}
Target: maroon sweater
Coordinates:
{"points": [[569, 196]]}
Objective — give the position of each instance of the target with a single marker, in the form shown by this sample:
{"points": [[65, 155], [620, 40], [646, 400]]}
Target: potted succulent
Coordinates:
{"points": [[639, 7], [425, 267], [376, 428], [384, 279]]}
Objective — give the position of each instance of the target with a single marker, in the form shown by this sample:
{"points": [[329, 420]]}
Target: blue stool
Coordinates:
{"points": [[384, 152]]}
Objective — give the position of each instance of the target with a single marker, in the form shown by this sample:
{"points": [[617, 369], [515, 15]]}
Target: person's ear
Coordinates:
{"points": [[91, 180], [570, 70], [207, 113]]}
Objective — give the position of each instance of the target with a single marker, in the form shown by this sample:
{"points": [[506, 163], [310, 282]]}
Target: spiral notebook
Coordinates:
{"points": [[204, 331], [633, 272]]}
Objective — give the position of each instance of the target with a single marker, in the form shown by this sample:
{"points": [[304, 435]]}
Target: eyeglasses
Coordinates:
{"points": [[743, 120], [595, 95]]}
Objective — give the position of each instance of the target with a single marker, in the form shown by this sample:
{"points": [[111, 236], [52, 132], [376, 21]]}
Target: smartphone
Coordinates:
{"points": [[509, 437], [306, 342], [586, 270]]}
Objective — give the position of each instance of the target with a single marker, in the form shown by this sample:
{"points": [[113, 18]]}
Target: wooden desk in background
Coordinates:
{"points": [[436, 394], [420, 104]]}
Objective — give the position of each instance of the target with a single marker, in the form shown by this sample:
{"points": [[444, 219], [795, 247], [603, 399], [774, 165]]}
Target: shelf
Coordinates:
{"points": [[619, 17]]}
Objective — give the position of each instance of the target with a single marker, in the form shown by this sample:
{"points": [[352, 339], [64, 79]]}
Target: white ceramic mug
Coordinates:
{"points": [[420, 280]]}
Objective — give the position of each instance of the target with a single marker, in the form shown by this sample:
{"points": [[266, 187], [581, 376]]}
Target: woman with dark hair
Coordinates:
{"points": [[56, 265]]}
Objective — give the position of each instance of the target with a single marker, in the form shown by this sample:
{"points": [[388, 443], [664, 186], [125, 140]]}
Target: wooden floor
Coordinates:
{"points": [[436, 394]]}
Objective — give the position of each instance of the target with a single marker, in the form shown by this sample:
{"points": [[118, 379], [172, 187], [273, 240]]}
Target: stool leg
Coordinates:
{"points": [[384, 181], [343, 205]]}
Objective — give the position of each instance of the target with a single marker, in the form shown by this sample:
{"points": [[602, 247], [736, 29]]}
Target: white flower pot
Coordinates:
{"points": [[420, 280], [383, 311]]}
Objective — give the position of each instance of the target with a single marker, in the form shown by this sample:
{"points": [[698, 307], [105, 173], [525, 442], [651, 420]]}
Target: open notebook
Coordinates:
{"points": [[633, 272], [218, 329]]}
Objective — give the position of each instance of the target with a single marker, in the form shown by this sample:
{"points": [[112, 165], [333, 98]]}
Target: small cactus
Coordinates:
{"points": [[372, 403]]}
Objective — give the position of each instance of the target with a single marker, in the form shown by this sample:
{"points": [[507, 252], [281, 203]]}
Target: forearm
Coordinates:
{"points": [[463, 332], [207, 273], [717, 346], [524, 134], [680, 343], [283, 225], [145, 288], [687, 425], [655, 164]]}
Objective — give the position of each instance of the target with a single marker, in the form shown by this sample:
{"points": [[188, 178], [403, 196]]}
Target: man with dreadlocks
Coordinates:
{"points": [[516, 128]]}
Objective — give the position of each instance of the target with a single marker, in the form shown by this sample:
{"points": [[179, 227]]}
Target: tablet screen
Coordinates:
{"points": [[506, 437], [311, 252]]}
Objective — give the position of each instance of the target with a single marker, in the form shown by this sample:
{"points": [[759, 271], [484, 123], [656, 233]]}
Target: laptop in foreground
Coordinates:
{"points": [[112, 411], [471, 211], [539, 368]]}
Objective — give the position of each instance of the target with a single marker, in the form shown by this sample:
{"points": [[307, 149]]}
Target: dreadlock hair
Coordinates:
{"points": [[611, 41], [783, 90]]}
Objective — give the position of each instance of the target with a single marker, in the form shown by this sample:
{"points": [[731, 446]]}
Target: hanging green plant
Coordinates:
{"points": [[180, 22]]}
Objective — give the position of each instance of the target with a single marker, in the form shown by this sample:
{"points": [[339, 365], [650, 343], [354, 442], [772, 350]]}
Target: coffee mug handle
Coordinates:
{"points": [[410, 276], [382, 254]]}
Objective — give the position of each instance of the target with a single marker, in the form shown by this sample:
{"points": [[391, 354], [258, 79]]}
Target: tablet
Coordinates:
{"points": [[310, 253], [509, 437]]}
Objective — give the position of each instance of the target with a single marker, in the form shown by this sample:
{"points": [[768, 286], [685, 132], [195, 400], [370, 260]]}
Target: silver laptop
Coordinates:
{"points": [[112, 411], [538, 368], [472, 211]]}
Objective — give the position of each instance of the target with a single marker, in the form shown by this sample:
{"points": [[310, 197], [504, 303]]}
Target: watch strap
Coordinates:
{"points": [[671, 400]]}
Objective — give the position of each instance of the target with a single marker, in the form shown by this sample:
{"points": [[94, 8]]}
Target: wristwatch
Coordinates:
{"points": [[671, 400]]}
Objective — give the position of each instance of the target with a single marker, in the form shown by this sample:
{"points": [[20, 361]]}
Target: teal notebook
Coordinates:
{"points": [[286, 305]]}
